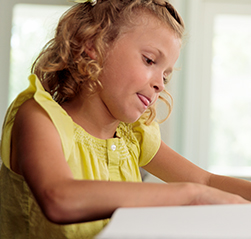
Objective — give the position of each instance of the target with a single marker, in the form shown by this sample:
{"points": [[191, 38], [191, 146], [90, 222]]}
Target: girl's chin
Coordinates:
{"points": [[132, 120]]}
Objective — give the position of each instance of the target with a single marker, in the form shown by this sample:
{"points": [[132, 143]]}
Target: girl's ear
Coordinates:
{"points": [[90, 51]]}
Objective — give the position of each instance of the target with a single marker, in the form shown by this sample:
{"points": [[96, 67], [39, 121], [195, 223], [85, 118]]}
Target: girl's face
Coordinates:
{"points": [[135, 68]]}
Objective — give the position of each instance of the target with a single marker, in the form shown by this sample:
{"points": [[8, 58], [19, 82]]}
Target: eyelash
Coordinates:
{"points": [[151, 62]]}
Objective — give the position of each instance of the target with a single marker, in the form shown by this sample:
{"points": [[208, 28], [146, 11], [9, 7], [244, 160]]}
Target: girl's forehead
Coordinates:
{"points": [[150, 33], [145, 28], [145, 21]]}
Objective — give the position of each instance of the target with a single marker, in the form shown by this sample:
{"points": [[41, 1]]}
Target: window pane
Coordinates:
{"points": [[230, 141], [32, 26]]}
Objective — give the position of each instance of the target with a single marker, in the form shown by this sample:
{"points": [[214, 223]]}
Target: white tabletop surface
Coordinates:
{"points": [[182, 222]]}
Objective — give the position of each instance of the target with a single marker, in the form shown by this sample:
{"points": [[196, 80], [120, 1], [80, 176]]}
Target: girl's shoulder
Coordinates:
{"points": [[30, 112], [31, 125], [29, 106]]}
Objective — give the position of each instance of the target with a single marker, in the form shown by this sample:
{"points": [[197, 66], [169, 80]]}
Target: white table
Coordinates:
{"points": [[183, 222]]}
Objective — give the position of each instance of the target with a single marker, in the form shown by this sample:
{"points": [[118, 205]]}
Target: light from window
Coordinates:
{"points": [[32, 26], [230, 141]]}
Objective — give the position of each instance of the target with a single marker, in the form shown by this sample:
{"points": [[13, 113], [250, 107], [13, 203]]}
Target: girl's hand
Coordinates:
{"points": [[209, 195]]}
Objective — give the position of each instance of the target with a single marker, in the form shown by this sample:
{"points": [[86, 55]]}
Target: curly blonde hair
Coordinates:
{"points": [[63, 66]]}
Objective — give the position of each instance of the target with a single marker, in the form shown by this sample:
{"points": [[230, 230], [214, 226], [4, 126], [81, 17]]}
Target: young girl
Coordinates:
{"points": [[73, 142]]}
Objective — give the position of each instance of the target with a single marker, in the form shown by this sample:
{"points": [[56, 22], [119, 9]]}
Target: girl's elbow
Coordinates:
{"points": [[59, 207], [55, 206]]}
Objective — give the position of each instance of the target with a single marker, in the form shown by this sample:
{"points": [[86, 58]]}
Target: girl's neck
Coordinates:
{"points": [[92, 116]]}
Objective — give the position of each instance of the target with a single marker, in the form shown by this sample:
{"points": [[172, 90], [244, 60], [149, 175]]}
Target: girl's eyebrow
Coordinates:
{"points": [[161, 53], [169, 70]]}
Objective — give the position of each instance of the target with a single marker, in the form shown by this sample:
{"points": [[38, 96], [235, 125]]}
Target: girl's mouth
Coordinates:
{"points": [[146, 101]]}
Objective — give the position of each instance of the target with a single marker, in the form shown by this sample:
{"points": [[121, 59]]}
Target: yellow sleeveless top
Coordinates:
{"points": [[116, 159]]}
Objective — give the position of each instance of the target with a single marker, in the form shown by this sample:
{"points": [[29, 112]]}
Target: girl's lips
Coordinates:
{"points": [[144, 100]]}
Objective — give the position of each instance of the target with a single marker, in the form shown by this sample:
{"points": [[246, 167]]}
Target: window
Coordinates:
{"points": [[217, 118], [230, 112], [32, 27]]}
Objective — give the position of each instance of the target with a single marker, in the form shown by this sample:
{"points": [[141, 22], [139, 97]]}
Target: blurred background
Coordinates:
{"points": [[211, 120]]}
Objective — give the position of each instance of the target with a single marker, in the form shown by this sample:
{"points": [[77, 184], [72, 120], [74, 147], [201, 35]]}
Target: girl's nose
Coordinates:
{"points": [[159, 85]]}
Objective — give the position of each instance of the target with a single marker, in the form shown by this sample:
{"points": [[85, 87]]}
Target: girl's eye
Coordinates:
{"points": [[149, 61]]}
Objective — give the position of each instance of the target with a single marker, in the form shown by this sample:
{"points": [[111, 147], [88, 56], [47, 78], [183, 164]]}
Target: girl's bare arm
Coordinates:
{"points": [[37, 155], [172, 167]]}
